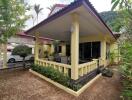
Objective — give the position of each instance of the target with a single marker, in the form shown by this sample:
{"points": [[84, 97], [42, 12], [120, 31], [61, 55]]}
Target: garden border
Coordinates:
{"points": [[68, 90]]}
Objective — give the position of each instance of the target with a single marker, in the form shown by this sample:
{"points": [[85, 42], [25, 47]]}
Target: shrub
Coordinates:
{"points": [[23, 51], [56, 75], [126, 70]]}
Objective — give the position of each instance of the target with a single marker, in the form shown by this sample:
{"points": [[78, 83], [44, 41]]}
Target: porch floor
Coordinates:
{"points": [[22, 85]]}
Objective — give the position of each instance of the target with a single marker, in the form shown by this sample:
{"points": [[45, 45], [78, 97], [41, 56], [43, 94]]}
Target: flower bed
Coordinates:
{"points": [[60, 80], [56, 76]]}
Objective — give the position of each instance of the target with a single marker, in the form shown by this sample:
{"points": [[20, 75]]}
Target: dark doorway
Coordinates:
{"points": [[85, 51], [95, 49], [68, 50]]}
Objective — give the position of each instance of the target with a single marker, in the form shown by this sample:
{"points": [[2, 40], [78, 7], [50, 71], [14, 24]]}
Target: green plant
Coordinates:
{"points": [[126, 70], [12, 20], [126, 48], [23, 51], [52, 73], [112, 57], [125, 8], [46, 53], [12, 17], [112, 19], [56, 75], [37, 10]]}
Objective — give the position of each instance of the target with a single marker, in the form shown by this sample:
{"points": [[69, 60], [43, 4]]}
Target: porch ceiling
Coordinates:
{"points": [[60, 28]]}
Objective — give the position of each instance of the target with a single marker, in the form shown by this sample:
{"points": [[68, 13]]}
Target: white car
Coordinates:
{"points": [[14, 58]]}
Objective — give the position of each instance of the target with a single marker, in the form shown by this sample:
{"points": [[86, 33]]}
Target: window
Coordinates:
{"points": [[89, 50], [95, 49], [68, 50], [60, 49]]}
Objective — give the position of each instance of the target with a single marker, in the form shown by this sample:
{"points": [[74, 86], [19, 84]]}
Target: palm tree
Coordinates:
{"points": [[37, 10], [50, 7], [33, 19]]}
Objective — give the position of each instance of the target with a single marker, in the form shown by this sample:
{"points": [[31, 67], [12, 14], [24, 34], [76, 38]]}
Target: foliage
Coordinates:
{"points": [[56, 75], [46, 53], [23, 51], [111, 18], [121, 4], [112, 57], [126, 48], [125, 8], [37, 10], [126, 69], [12, 18]]}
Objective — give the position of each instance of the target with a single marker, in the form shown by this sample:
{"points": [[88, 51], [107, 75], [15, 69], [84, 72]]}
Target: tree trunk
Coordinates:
{"points": [[5, 55], [24, 64]]}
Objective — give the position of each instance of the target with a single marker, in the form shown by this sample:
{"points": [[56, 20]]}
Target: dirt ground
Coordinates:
{"points": [[22, 85]]}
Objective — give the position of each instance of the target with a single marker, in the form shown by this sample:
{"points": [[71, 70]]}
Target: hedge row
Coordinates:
{"points": [[56, 76]]}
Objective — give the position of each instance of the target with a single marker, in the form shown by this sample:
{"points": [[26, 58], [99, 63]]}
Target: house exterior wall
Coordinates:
{"points": [[18, 40], [21, 40], [114, 48], [102, 40], [91, 38]]}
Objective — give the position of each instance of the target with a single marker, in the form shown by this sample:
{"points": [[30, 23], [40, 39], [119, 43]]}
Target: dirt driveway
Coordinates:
{"points": [[22, 85]]}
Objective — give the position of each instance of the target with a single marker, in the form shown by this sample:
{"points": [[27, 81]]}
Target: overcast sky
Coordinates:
{"points": [[100, 5]]}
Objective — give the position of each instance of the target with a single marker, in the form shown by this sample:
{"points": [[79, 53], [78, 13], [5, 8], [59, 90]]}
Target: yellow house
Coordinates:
{"points": [[85, 40]]}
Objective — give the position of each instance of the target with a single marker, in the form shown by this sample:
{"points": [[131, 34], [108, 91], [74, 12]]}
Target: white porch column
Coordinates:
{"points": [[63, 49], [103, 51], [74, 47], [52, 49], [36, 46]]}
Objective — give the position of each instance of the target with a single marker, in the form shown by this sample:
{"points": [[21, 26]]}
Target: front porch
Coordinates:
{"points": [[75, 56], [84, 37]]}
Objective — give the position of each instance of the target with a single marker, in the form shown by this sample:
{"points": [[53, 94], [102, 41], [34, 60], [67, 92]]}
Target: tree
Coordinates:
{"points": [[37, 10], [50, 7], [33, 19], [126, 70], [126, 48], [23, 51], [122, 4], [124, 7], [111, 18], [12, 19]]}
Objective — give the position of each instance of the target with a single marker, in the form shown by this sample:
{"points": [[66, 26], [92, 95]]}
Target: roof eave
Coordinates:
{"points": [[89, 6], [60, 13], [69, 8]]}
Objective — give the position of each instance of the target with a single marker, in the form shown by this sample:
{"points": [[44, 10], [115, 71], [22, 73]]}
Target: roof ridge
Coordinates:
{"points": [[68, 6]]}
